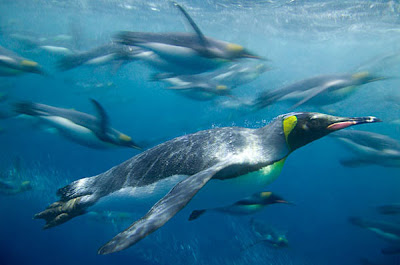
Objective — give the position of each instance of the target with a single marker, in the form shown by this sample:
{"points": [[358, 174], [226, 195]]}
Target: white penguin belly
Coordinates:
{"points": [[101, 59], [75, 132], [181, 55]]}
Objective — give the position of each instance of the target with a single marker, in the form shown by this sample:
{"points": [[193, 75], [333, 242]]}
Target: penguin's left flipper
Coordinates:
{"points": [[317, 90], [162, 211], [202, 39], [391, 250]]}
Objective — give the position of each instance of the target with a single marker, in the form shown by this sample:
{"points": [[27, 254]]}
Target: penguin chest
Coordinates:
{"points": [[75, 132], [227, 191]]}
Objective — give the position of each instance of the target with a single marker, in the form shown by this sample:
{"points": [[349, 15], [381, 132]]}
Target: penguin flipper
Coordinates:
{"points": [[202, 38], [317, 91], [162, 211], [104, 121]]}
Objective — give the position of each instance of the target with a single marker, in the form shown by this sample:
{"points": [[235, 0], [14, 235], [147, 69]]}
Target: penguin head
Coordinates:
{"points": [[282, 241], [235, 51], [301, 128], [32, 67], [125, 140], [366, 77], [271, 198], [26, 185]]}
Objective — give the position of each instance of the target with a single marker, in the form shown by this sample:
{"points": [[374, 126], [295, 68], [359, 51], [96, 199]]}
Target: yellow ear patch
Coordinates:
{"points": [[221, 87], [360, 75], [28, 63], [234, 47], [288, 125], [125, 137], [266, 194]]}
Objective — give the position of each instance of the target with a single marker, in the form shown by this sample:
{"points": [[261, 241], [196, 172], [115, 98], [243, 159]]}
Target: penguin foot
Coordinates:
{"points": [[61, 211]]}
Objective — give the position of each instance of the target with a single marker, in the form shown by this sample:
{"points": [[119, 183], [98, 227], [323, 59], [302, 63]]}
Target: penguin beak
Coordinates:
{"points": [[282, 201], [253, 56], [342, 123]]}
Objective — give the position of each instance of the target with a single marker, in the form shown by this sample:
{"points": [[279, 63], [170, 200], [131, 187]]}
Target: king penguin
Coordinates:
{"points": [[369, 148], [246, 206], [193, 51], [235, 158], [85, 129], [12, 64], [317, 90], [388, 231]]}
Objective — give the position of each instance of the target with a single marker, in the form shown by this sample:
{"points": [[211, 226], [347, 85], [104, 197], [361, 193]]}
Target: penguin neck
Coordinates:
{"points": [[273, 139]]}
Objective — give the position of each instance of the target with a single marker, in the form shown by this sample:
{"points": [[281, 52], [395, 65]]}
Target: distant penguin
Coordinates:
{"points": [[267, 234], [13, 64], [207, 86], [389, 231], [389, 209], [236, 161], [105, 54], [194, 51], [10, 187], [249, 205], [85, 129], [369, 148], [319, 90]]}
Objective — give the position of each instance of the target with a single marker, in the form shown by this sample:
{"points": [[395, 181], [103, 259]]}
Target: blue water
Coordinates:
{"points": [[300, 38]]}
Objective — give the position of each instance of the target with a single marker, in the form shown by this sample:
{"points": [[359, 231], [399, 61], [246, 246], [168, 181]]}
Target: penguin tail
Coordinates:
{"points": [[73, 202], [27, 108], [196, 214]]}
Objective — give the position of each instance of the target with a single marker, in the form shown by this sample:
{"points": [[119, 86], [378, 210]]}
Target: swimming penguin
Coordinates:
{"points": [[13, 64], [105, 54], [12, 181], [389, 231], [318, 90], [208, 85], [249, 205], [389, 209], [369, 148], [193, 51], [196, 87], [8, 187], [249, 158], [267, 234], [79, 127]]}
